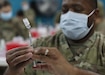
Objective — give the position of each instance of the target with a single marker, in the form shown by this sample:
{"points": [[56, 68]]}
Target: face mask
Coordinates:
{"points": [[74, 25], [47, 7], [43, 5], [6, 16], [25, 7]]}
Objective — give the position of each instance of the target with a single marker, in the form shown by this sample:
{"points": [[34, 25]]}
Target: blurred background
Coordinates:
{"points": [[44, 17]]}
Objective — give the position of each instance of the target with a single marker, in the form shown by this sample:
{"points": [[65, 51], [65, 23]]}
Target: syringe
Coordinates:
{"points": [[28, 26]]}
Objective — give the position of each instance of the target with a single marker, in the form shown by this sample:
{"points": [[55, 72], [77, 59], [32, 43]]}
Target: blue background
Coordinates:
{"points": [[16, 4]]}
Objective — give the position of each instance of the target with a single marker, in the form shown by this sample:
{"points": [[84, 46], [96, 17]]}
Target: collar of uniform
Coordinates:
{"points": [[86, 44], [80, 46], [63, 41], [65, 47], [91, 40]]}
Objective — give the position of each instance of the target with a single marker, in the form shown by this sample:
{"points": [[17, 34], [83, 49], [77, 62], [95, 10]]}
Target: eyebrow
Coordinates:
{"points": [[76, 5], [65, 4]]}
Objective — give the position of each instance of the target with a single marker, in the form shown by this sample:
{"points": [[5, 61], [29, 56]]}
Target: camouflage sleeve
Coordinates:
{"points": [[44, 42], [101, 56], [50, 41], [103, 59], [29, 70], [101, 68], [21, 30]]}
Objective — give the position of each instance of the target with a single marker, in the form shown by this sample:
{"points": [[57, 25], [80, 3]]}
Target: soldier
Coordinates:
{"points": [[8, 27], [76, 50], [101, 18], [28, 12], [19, 21]]}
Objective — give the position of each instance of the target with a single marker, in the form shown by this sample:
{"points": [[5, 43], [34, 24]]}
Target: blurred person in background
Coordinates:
{"points": [[2, 69], [100, 21], [6, 16], [57, 21], [18, 20], [45, 12], [28, 12], [8, 28]]}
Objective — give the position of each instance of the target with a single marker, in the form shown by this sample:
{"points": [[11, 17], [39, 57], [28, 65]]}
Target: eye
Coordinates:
{"points": [[65, 8], [77, 8]]}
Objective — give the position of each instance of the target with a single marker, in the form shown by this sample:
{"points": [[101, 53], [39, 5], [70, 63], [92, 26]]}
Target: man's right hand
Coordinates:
{"points": [[17, 59]]}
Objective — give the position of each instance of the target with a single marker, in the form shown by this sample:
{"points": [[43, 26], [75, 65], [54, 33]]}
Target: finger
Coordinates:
{"points": [[52, 52], [23, 64], [44, 67], [42, 50], [17, 54], [42, 58], [16, 49], [41, 66], [21, 59]]}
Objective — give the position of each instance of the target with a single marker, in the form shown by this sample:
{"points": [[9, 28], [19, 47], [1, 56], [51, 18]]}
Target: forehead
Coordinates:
{"points": [[84, 3], [77, 1], [6, 8], [46, 1], [81, 2]]}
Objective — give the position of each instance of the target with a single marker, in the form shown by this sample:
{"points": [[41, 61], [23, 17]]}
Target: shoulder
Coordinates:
{"points": [[50, 40], [101, 39], [102, 47], [100, 35], [16, 20]]}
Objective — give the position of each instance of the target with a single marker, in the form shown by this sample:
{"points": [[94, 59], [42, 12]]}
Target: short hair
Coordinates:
{"points": [[94, 3], [6, 3], [20, 13], [0, 6]]}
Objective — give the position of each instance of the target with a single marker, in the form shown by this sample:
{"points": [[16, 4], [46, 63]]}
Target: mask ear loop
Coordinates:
{"points": [[91, 26], [91, 13], [89, 16]]}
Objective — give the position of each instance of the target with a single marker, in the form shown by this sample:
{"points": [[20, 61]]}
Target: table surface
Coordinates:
{"points": [[3, 62]]}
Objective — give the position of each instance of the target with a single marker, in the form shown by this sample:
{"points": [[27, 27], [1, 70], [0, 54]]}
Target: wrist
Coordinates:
{"points": [[10, 71], [71, 70]]}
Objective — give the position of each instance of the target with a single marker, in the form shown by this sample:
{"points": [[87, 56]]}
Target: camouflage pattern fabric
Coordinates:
{"points": [[31, 16], [89, 55], [11, 29], [7, 30], [22, 30]]}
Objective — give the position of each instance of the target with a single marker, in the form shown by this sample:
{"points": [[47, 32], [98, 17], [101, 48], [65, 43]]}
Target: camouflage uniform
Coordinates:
{"points": [[101, 27], [31, 16], [10, 29], [22, 30], [89, 55]]}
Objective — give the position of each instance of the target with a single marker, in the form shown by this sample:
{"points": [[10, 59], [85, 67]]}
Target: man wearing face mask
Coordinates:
{"points": [[8, 27], [76, 50]]}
